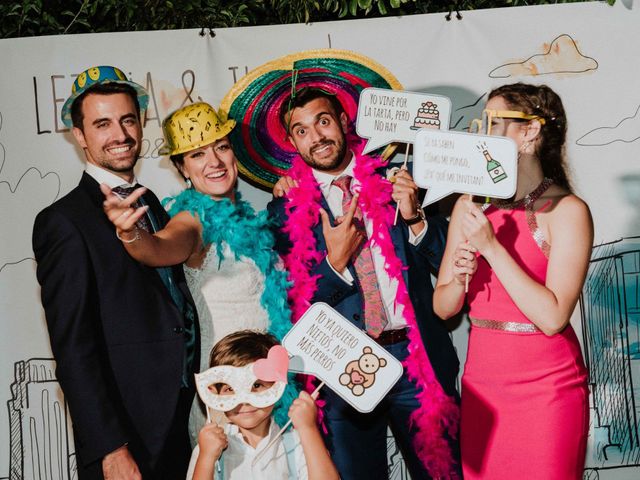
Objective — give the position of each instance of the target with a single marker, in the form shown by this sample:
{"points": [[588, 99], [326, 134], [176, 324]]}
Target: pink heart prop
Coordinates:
{"points": [[274, 367], [356, 378]]}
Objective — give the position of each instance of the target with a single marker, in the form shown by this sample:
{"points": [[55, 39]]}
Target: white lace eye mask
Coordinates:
{"points": [[242, 379]]}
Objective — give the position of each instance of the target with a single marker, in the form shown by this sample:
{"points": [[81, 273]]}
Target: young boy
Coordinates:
{"points": [[228, 452]]}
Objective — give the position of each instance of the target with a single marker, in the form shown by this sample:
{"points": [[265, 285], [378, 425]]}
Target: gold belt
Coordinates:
{"points": [[505, 326]]}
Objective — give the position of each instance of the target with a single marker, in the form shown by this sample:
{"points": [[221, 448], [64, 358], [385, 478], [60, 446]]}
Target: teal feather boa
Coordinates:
{"points": [[248, 235]]}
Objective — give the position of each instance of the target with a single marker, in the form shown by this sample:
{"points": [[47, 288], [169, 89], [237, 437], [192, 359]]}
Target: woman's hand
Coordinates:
{"points": [[477, 228], [465, 262], [212, 441], [283, 185], [120, 212]]}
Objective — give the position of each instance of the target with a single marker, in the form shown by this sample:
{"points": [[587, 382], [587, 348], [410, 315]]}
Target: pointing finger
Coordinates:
{"points": [[326, 223], [133, 218], [135, 195], [352, 210]]}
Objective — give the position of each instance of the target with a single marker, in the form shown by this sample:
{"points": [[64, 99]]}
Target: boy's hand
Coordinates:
{"points": [[303, 412], [212, 440]]}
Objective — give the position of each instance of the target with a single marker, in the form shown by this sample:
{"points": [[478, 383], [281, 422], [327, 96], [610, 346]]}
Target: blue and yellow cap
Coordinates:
{"points": [[100, 75]]}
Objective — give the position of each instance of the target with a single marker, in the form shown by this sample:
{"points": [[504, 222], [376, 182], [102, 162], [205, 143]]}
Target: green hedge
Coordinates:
{"points": [[55, 17]]}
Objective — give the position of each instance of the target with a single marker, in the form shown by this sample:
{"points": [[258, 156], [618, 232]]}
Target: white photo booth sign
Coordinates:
{"points": [[325, 344], [386, 116], [456, 162]]}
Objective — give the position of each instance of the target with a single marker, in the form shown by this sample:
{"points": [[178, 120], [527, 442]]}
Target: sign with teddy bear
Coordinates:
{"points": [[325, 344]]}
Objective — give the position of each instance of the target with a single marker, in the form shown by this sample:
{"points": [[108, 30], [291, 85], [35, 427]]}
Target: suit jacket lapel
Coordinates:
{"points": [[162, 218], [88, 183], [398, 237], [399, 234]]}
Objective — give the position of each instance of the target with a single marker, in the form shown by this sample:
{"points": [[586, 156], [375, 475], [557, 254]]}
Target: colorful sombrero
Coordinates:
{"points": [[260, 140]]}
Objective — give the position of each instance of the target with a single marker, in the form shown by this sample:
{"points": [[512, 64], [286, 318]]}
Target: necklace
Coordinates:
{"points": [[527, 200]]}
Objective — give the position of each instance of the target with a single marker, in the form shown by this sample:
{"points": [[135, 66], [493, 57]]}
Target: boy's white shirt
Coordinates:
{"points": [[238, 457]]}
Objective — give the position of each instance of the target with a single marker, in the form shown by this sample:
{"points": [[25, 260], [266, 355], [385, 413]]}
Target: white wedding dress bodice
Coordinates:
{"points": [[227, 296]]}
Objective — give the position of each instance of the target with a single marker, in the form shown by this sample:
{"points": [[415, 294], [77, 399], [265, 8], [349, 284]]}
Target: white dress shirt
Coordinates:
{"points": [[388, 287], [101, 175], [273, 465]]}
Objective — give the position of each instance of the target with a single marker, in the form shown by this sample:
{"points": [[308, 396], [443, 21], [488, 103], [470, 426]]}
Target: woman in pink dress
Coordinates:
{"points": [[524, 388]]}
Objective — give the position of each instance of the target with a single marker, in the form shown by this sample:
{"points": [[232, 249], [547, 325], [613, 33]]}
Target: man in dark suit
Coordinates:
{"points": [[362, 289], [124, 335]]}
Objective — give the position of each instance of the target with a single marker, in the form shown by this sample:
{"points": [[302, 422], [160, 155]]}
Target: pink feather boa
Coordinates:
{"points": [[438, 412]]}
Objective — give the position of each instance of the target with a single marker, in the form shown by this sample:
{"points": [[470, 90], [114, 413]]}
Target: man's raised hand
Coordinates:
{"points": [[120, 212], [342, 240]]}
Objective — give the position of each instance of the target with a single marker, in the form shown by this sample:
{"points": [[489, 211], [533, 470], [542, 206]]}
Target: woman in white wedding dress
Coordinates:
{"points": [[226, 248]]}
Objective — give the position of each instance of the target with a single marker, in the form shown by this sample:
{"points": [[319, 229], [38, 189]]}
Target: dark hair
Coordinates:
{"points": [[110, 88], [542, 101], [178, 162], [304, 96], [241, 348]]}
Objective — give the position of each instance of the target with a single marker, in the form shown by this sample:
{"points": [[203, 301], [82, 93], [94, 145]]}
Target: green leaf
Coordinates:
{"points": [[353, 7]]}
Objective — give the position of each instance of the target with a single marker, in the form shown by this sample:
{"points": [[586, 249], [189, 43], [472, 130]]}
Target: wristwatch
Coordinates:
{"points": [[418, 217]]}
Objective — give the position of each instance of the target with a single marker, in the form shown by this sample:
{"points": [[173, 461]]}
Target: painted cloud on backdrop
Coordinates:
{"points": [[562, 55]]}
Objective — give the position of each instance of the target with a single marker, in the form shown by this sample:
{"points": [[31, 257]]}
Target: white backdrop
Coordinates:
{"points": [[587, 52]]}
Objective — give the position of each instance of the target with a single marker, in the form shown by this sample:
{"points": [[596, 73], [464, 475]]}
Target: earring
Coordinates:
{"points": [[524, 148], [188, 182]]}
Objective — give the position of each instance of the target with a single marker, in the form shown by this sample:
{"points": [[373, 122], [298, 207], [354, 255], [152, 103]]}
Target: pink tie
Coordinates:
{"points": [[375, 317]]}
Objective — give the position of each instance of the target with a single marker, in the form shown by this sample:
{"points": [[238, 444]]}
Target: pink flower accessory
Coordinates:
{"points": [[438, 412], [273, 368]]}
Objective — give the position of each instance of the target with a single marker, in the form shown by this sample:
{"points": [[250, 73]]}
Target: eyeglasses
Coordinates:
{"points": [[483, 125]]}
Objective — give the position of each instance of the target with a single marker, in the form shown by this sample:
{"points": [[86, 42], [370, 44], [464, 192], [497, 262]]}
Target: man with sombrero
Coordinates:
{"points": [[123, 334], [336, 234]]}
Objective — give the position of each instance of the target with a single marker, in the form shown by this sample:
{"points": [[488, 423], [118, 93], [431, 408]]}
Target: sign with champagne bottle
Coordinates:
{"points": [[446, 162]]}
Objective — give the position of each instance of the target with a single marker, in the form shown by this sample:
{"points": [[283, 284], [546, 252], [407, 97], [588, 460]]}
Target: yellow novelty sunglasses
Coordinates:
{"points": [[483, 125]]}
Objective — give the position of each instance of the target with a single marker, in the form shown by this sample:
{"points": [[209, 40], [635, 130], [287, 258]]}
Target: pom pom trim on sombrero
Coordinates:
{"points": [[255, 101]]}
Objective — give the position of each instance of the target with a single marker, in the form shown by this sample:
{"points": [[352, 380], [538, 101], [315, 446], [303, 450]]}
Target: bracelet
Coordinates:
{"points": [[418, 217], [136, 236]]}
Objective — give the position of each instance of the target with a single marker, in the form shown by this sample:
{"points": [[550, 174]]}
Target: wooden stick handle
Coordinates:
{"points": [[466, 277]]}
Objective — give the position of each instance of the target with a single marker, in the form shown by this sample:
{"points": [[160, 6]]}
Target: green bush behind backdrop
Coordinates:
{"points": [[56, 17]]}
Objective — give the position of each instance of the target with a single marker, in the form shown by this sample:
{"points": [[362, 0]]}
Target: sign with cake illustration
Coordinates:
{"points": [[386, 116], [428, 116], [457, 162]]}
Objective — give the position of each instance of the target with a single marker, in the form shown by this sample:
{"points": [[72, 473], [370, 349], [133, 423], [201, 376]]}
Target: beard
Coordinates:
{"points": [[329, 163], [123, 164]]}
